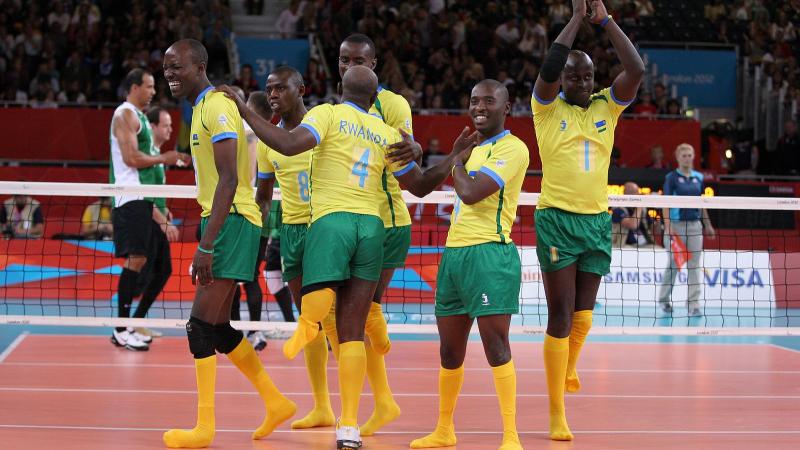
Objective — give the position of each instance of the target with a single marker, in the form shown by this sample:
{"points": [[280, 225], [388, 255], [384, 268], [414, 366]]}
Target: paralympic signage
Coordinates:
{"points": [[267, 54], [706, 77]]}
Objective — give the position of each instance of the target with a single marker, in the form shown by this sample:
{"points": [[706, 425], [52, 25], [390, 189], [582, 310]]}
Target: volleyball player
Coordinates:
{"points": [[575, 133], [226, 253], [480, 271]]}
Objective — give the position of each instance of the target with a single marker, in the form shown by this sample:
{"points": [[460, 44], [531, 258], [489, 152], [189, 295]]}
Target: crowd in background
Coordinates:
{"points": [[78, 51]]}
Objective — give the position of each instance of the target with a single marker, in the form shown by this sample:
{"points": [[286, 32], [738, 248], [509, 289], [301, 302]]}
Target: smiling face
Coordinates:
{"points": [[488, 107], [577, 79], [183, 74], [141, 94]]}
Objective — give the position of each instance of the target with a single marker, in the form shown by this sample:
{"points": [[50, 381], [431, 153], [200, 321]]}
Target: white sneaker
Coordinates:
{"points": [[347, 438], [141, 336], [127, 338], [257, 340]]}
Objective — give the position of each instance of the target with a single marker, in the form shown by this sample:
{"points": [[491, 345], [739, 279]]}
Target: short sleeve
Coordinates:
{"points": [[221, 117], [539, 106], [668, 184], [398, 115], [397, 169], [265, 168], [507, 161], [318, 121], [615, 105]]}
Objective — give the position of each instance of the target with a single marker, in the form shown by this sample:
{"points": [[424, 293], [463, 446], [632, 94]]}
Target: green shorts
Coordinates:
{"points": [[341, 245], [564, 238], [396, 242], [479, 280], [293, 240], [235, 248]]}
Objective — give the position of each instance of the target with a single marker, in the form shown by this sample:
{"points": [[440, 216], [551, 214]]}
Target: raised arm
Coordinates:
{"points": [[285, 142], [549, 80], [626, 85]]}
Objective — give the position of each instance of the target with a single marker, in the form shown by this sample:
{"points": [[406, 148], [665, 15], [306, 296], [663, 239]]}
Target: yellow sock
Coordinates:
{"points": [[329, 327], [352, 370], [203, 433], [505, 384], [316, 356], [315, 307], [450, 381], [279, 408], [581, 323], [386, 409], [376, 330], [556, 354]]}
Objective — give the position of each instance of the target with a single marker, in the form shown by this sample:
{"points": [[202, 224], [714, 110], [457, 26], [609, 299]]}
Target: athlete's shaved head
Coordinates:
{"points": [[291, 75], [185, 64], [499, 88], [196, 49], [360, 85]]}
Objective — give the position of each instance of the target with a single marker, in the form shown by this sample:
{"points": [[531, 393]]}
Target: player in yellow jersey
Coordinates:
{"points": [[480, 271], [285, 90], [231, 226], [575, 132], [359, 50], [344, 243]]}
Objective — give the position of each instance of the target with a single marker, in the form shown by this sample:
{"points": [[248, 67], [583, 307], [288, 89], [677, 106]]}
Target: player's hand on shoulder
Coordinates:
{"points": [[231, 94], [597, 10], [405, 151]]}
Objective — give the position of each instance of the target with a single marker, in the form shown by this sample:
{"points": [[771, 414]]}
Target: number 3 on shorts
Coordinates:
{"points": [[360, 172]]}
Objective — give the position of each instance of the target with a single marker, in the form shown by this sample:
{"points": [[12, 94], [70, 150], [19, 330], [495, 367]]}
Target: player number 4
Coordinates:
{"points": [[360, 167]]}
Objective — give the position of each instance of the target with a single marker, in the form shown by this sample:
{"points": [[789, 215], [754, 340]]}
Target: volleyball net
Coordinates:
{"points": [[744, 279]]}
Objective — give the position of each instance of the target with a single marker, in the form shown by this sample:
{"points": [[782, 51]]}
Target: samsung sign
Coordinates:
{"points": [[706, 77]]}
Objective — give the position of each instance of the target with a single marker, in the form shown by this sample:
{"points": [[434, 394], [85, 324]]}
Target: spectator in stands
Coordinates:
{"points": [[657, 160], [631, 226], [660, 97], [72, 93], [684, 226], [645, 107], [21, 217], [287, 20], [96, 220], [673, 108], [508, 32], [788, 148], [433, 154], [246, 80]]}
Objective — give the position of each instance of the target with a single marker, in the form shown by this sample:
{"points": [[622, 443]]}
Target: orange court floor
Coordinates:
{"points": [[77, 391]]}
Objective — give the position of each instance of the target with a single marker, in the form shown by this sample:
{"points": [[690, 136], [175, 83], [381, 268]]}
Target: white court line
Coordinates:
{"points": [[407, 394], [404, 369], [330, 431], [14, 344]]}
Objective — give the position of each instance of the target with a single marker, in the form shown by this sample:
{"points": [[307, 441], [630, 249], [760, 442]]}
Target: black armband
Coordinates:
{"points": [[554, 62]]}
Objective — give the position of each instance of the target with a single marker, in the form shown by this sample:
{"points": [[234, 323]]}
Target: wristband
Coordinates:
{"points": [[202, 250], [605, 21]]}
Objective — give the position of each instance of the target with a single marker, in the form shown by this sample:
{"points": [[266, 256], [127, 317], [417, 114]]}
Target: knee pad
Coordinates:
{"points": [[226, 338], [200, 338]]}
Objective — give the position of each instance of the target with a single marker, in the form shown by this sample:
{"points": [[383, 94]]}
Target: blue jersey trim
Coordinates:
{"points": [[493, 175], [543, 102], [312, 130], [266, 175], [223, 136], [618, 101], [404, 170], [202, 94], [495, 138], [351, 104]]}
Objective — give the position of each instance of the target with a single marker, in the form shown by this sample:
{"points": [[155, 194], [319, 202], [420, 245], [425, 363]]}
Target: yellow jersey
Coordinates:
{"points": [[349, 160], [215, 118], [291, 172], [395, 112], [575, 146], [505, 159]]}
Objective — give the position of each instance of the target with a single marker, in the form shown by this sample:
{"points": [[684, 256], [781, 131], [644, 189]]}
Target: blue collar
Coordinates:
{"points": [[380, 88], [202, 94], [351, 104], [495, 138], [280, 124]]}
